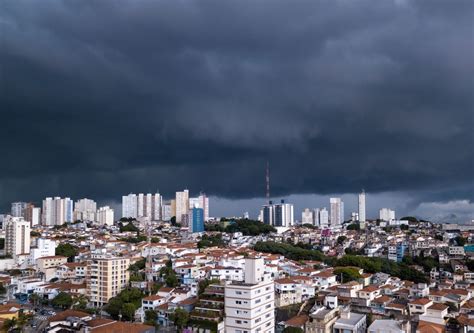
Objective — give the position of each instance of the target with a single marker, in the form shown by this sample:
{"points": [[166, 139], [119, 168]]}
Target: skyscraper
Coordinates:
{"points": [[337, 211], [323, 218], [197, 219], [18, 209], [105, 216], [278, 215], [362, 206], [203, 202], [57, 211], [386, 214], [182, 206], [85, 209], [307, 216], [17, 236], [129, 206]]}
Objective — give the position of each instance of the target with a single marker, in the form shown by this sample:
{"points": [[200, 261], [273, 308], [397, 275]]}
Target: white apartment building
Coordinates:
{"points": [[17, 236], [18, 209], [44, 248], [130, 206], [142, 205], [85, 209], [105, 216], [278, 215], [323, 218], [386, 214], [362, 206], [106, 277], [202, 201], [249, 305], [307, 216], [57, 211], [337, 211], [182, 206]]}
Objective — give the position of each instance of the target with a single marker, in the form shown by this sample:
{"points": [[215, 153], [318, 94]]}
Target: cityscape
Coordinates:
{"points": [[237, 166]]}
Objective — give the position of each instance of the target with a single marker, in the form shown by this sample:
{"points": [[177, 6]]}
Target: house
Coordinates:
{"points": [[325, 279], [419, 290], [428, 327], [419, 306], [436, 314], [350, 322], [322, 320], [287, 292], [389, 326], [369, 293]]}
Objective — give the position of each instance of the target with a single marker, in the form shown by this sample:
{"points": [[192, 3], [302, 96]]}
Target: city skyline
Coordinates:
{"points": [[340, 100]]}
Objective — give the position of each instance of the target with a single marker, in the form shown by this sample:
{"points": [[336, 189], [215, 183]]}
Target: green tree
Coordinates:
{"points": [[461, 241], [180, 317], [67, 250], [409, 218], [9, 323], [128, 311], [353, 226], [62, 300], [341, 239], [150, 317], [347, 273]]}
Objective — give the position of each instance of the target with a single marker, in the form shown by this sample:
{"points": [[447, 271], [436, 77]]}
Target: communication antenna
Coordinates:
{"points": [[267, 178]]}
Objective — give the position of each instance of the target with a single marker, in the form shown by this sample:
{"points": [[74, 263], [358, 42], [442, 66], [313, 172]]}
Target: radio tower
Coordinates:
{"points": [[267, 178]]}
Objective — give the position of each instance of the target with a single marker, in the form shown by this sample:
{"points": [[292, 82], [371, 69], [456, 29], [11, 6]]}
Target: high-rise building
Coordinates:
{"points": [[316, 216], [157, 202], [386, 214], [85, 209], [337, 212], [18, 209], [45, 247], [57, 211], [196, 223], [323, 218], [105, 216], [249, 304], [182, 206], [33, 214], [166, 214], [130, 206], [106, 277], [142, 205], [17, 236], [307, 216], [203, 202], [362, 206], [278, 215]]}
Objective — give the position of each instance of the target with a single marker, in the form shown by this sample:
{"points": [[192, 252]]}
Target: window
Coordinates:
{"points": [[238, 302], [238, 293], [238, 321]]}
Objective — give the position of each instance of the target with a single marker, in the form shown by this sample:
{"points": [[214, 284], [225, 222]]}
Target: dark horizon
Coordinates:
{"points": [[99, 99]]}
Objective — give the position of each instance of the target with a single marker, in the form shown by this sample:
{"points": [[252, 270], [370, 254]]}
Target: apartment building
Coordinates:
{"points": [[106, 277], [17, 236], [249, 305]]}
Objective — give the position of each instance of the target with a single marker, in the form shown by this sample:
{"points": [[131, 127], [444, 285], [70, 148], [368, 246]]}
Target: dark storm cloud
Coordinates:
{"points": [[100, 98]]}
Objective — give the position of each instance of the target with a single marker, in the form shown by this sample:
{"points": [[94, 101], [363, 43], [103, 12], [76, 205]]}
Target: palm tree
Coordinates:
{"points": [[9, 323], [34, 298]]}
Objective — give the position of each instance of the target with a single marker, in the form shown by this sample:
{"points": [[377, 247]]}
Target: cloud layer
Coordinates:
{"points": [[101, 98]]}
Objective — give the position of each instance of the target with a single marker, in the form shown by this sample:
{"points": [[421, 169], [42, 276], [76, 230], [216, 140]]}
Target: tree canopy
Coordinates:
{"points": [[62, 300], [67, 250]]}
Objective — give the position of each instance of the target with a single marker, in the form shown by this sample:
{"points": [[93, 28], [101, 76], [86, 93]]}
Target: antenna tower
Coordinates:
{"points": [[267, 178]]}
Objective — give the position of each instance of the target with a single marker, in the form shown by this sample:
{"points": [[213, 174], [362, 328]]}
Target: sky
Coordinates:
{"points": [[103, 98]]}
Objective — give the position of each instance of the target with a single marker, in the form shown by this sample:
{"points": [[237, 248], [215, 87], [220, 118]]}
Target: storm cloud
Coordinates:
{"points": [[102, 98]]}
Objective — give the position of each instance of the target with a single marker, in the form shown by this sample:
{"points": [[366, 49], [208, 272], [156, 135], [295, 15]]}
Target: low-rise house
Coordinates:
{"points": [[389, 326], [350, 322], [436, 314], [322, 320], [419, 306], [287, 292]]}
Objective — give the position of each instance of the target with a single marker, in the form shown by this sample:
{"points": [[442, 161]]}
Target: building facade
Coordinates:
{"points": [[249, 305], [106, 277], [17, 236], [337, 212]]}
